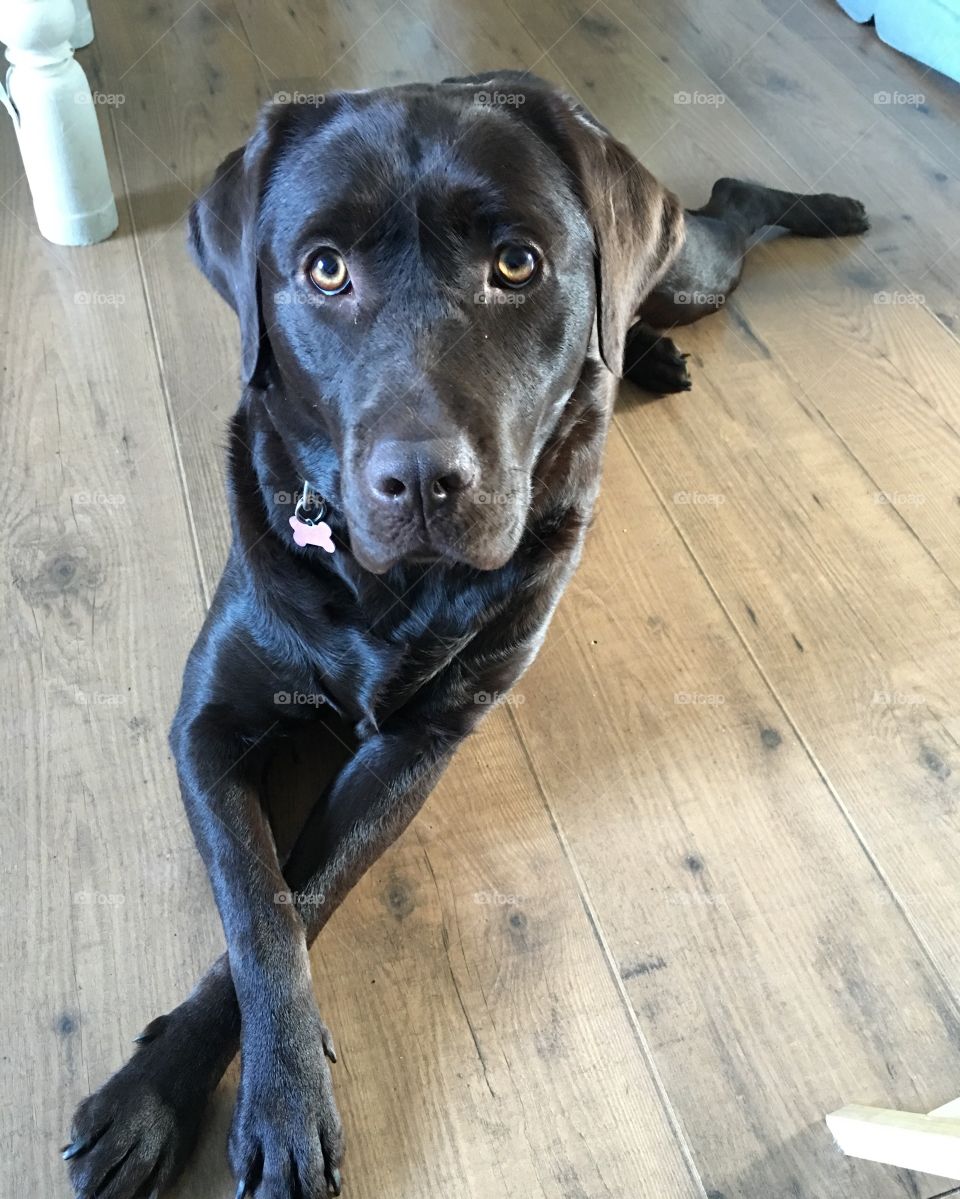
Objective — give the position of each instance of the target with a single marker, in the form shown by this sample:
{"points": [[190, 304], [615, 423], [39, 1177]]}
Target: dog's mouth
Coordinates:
{"points": [[484, 553], [380, 560]]}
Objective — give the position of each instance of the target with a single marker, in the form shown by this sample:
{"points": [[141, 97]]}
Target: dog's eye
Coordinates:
{"points": [[328, 272], [516, 265]]}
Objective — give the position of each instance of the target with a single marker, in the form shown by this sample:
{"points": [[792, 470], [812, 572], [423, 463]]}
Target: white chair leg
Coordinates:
{"points": [[83, 28], [49, 99]]}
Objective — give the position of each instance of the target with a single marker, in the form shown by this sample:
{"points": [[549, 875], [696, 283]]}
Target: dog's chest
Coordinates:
{"points": [[371, 658]]}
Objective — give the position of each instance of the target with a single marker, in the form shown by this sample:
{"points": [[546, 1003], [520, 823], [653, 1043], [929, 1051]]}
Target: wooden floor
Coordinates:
{"points": [[697, 884]]}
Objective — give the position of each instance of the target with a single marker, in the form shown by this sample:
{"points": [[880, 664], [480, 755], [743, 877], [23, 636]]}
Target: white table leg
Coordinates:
{"points": [[83, 26], [49, 99]]}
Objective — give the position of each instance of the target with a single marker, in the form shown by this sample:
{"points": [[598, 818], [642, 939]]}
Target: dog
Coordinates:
{"points": [[437, 293]]}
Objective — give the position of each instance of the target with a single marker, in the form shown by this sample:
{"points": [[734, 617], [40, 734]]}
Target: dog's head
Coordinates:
{"points": [[420, 274]]}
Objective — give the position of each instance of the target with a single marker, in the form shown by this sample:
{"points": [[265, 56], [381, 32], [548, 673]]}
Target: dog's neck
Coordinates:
{"points": [[260, 456]]}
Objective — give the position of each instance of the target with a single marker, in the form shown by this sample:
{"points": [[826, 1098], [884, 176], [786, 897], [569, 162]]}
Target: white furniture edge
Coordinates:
{"points": [[49, 99], [82, 25], [929, 1144]]}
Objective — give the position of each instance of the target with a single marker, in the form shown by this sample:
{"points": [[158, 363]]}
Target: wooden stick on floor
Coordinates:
{"points": [[929, 1144]]}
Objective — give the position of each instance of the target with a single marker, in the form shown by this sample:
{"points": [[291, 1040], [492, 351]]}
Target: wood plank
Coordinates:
{"points": [[816, 120], [805, 546], [105, 908], [772, 973], [885, 382], [922, 102], [853, 624]]}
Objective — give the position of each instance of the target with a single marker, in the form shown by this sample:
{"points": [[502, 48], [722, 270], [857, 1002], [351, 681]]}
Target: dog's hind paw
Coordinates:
{"points": [[826, 215], [844, 216]]}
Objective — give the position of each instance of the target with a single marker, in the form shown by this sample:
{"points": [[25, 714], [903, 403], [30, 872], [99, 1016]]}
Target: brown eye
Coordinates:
{"points": [[516, 265], [328, 272]]}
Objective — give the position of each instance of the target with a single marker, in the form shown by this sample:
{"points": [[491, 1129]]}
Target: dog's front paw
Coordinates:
{"points": [[286, 1141], [653, 362], [133, 1136]]}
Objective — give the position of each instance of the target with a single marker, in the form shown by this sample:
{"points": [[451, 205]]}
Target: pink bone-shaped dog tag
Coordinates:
{"points": [[318, 534]]}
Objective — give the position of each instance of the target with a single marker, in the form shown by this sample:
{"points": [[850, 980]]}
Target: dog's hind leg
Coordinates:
{"points": [[709, 264], [750, 206]]}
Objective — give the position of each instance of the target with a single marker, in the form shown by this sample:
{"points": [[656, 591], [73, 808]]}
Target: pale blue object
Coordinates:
{"points": [[928, 30]]}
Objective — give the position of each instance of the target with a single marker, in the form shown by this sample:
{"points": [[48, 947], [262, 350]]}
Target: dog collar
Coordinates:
{"points": [[307, 523]]}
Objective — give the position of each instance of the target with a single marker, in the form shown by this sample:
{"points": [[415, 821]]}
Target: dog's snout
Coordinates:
{"points": [[418, 475]]}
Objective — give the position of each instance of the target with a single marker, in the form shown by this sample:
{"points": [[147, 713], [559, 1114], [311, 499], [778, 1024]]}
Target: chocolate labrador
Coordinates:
{"points": [[438, 287]]}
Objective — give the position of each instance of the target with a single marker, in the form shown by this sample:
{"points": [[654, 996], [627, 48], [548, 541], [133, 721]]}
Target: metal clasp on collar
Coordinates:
{"points": [[311, 506]]}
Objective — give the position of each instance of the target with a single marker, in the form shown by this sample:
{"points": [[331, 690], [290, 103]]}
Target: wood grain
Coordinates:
{"points": [[105, 908], [753, 934], [696, 885]]}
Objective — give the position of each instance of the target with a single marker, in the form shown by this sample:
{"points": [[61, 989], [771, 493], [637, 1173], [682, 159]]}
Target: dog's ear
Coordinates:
{"points": [[638, 225], [638, 228], [223, 236]]}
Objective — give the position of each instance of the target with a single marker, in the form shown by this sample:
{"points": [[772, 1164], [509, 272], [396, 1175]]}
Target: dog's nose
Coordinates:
{"points": [[409, 475]]}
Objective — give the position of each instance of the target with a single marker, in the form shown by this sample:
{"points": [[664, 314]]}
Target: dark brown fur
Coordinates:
{"points": [[436, 599]]}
